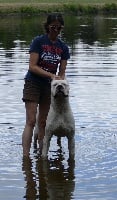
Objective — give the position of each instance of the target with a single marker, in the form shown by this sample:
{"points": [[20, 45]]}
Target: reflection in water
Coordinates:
{"points": [[30, 179], [92, 74], [88, 29], [48, 179]]}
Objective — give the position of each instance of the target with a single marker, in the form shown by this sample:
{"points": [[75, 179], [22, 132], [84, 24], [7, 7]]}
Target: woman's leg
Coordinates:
{"points": [[31, 110], [43, 112], [44, 105]]}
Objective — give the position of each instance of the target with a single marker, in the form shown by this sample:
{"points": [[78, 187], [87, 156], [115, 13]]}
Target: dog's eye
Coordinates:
{"points": [[64, 84], [55, 84]]}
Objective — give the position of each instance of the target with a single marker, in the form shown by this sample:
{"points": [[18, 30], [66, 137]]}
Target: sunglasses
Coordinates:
{"points": [[55, 27]]}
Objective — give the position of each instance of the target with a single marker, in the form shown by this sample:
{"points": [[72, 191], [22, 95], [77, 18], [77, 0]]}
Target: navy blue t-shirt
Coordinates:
{"points": [[50, 55]]}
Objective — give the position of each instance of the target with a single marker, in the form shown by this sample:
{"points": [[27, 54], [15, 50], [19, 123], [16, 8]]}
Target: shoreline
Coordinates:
{"points": [[66, 8]]}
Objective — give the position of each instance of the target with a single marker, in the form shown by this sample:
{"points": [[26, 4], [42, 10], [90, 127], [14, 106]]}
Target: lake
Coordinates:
{"points": [[92, 75]]}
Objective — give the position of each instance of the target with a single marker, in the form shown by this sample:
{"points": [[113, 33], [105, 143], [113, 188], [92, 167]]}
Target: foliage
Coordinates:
{"points": [[76, 7]]}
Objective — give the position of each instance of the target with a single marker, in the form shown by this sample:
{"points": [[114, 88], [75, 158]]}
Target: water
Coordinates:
{"points": [[92, 74]]}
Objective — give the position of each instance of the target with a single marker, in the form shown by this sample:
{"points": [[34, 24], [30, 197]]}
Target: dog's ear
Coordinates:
{"points": [[64, 78], [66, 81]]}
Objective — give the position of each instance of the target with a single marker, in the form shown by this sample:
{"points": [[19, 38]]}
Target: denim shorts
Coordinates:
{"points": [[36, 92]]}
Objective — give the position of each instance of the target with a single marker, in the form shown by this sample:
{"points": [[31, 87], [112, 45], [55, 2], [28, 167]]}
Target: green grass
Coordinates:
{"points": [[61, 1], [77, 7]]}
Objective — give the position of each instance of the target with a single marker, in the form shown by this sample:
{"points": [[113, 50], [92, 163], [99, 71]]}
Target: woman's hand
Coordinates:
{"points": [[55, 77]]}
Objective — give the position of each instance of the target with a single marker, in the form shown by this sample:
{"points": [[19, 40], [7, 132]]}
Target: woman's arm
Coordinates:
{"points": [[62, 69], [33, 67]]}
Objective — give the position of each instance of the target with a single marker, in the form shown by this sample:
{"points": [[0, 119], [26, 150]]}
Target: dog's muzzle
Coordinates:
{"points": [[60, 91]]}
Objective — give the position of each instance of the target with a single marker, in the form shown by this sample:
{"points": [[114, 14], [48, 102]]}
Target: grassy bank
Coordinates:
{"points": [[78, 7]]}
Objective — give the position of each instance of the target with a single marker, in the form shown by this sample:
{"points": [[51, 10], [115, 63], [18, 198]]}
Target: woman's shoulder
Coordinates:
{"points": [[36, 43], [39, 37], [38, 40], [62, 43], [65, 50]]}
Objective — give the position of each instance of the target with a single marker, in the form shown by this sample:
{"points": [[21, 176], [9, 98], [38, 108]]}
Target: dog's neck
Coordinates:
{"points": [[60, 104]]}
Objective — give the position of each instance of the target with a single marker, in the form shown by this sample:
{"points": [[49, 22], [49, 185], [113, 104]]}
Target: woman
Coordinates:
{"points": [[48, 55]]}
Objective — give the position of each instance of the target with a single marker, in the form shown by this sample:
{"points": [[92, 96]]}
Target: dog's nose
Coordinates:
{"points": [[59, 87]]}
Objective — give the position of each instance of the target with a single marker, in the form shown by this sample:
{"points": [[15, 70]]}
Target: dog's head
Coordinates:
{"points": [[59, 88]]}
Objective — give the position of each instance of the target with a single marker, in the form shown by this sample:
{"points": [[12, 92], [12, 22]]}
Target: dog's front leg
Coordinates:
{"points": [[71, 147]]}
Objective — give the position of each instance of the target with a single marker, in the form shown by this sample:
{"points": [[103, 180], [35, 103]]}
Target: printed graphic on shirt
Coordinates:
{"points": [[50, 57]]}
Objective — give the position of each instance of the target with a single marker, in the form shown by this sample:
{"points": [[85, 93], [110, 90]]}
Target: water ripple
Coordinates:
{"points": [[92, 74]]}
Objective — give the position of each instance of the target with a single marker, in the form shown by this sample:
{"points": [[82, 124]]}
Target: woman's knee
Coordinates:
{"points": [[42, 123], [44, 108], [31, 122], [31, 110]]}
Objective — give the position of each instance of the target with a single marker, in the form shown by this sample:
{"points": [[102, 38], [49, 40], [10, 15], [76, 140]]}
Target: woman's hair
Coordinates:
{"points": [[51, 18]]}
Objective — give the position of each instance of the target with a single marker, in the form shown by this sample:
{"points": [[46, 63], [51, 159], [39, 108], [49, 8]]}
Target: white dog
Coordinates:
{"points": [[60, 121]]}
